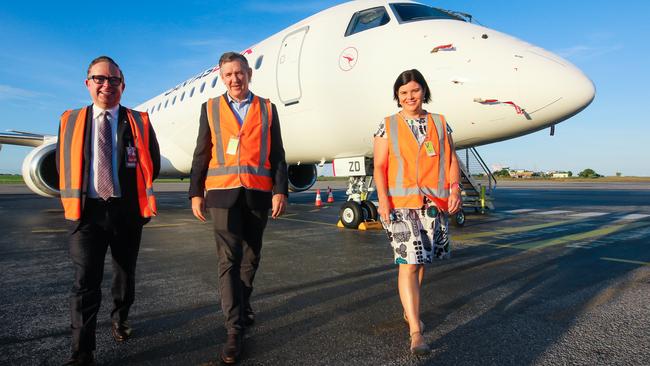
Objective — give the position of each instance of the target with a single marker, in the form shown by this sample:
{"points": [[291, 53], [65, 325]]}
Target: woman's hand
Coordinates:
{"points": [[455, 202], [384, 210]]}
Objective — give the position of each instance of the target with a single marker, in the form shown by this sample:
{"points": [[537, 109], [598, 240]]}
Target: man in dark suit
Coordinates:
{"points": [[239, 178], [107, 157]]}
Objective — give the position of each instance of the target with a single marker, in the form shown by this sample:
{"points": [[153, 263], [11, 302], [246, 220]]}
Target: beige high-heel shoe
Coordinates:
{"points": [[406, 319], [420, 349]]}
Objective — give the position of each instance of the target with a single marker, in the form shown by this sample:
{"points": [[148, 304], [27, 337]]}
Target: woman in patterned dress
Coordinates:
{"points": [[417, 177]]}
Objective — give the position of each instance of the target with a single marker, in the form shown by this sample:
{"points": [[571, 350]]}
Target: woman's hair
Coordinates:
{"points": [[408, 76]]}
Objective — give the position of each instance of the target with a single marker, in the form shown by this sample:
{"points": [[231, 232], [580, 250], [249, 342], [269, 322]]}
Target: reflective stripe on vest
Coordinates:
{"points": [[71, 145], [407, 186], [249, 167], [72, 135], [139, 122]]}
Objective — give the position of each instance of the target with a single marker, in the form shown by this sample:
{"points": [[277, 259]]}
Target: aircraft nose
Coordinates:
{"points": [[569, 89], [577, 89]]}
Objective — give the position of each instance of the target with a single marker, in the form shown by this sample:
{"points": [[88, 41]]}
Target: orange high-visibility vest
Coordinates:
{"points": [[71, 146], [240, 154], [412, 171]]}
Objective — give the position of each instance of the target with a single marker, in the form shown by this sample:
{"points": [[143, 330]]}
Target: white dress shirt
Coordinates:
{"points": [[98, 117]]}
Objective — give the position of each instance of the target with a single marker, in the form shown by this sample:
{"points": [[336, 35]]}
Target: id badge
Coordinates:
{"points": [[428, 146], [131, 157], [232, 146]]}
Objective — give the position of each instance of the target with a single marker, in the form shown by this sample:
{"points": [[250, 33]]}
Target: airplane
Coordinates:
{"points": [[331, 75]]}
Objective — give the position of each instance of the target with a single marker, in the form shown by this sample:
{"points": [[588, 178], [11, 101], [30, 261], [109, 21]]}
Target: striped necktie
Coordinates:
{"points": [[105, 158]]}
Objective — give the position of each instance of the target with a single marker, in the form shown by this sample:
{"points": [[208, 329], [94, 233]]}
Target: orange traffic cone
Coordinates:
{"points": [[330, 197], [319, 202]]}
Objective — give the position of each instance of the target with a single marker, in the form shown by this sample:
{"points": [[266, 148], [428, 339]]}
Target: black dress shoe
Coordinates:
{"points": [[232, 349], [81, 359], [121, 331]]}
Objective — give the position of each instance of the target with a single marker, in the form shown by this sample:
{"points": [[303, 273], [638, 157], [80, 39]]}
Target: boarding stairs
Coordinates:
{"points": [[477, 181]]}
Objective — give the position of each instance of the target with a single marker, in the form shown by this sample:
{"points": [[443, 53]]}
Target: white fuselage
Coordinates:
{"points": [[332, 90]]}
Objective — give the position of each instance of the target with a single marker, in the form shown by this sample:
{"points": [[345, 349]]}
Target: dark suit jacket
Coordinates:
{"points": [[226, 198], [126, 176]]}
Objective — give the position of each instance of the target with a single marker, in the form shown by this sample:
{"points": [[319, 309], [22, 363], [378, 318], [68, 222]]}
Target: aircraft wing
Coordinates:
{"points": [[24, 138]]}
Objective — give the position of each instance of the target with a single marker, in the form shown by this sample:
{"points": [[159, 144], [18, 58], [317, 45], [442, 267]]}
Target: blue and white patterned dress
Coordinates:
{"points": [[415, 237]]}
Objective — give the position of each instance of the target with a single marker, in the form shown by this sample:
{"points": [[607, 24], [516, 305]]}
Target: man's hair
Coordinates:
{"points": [[233, 56], [104, 59], [405, 78]]}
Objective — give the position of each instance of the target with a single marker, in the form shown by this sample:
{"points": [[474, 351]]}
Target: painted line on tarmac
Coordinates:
{"points": [[599, 232], [513, 230], [47, 231], [155, 226], [589, 214], [521, 210], [634, 217], [306, 221], [552, 212], [625, 261], [318, 209]]}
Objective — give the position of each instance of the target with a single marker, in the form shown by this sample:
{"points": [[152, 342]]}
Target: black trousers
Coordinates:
{"points": [[103, 224], [238, 234]]}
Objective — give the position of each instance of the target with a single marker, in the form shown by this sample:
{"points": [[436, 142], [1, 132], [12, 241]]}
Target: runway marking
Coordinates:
{"points": [[47, 231], [306, 221], [625, 261], [318, 209], [553, 212], [512, 230], [634, 217], [589, 214], [572, 238], [155, 226], [521, 210]]}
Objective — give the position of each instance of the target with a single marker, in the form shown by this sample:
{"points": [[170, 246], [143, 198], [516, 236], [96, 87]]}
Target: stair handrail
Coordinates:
{"points": [[492, 181]]}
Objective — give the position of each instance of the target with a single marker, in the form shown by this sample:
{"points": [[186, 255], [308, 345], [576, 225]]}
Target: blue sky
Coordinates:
{"points": [[45, 48]]}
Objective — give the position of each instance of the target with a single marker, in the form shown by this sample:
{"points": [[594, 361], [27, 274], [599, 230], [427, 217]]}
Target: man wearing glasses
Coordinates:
{"points": [[107, 157]]}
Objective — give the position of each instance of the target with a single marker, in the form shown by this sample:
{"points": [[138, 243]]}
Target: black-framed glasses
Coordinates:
{"points": [[101, 79]]}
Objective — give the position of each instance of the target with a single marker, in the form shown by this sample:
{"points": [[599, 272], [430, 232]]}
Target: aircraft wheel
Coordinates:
{"points": [[458, 219], [351, 214], [369, 211]]}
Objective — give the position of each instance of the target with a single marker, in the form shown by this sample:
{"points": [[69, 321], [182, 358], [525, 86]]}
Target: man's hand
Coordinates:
{"points": [[455, 202], [279, 205], [198, 207]]}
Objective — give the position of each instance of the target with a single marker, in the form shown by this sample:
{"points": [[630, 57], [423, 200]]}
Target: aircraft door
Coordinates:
{"points": [[288, 66]]}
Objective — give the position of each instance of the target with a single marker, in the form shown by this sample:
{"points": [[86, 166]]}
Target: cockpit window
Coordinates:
{"points": [[413, 12], [367, 19]]}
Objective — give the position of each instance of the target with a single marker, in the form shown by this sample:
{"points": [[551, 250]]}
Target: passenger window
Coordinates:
{"points": [[159, 106], [174, 100], [192, 92], [202, 87], [214, 81], [367, 19], [258, 63], [182, 97], [150, 110]]}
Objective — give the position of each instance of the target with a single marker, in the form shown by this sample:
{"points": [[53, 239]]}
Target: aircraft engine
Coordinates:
{"points": [[302, 177], [39, 170]]}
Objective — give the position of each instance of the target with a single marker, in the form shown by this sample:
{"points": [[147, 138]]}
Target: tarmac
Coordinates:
{"points": [[557, 274]]}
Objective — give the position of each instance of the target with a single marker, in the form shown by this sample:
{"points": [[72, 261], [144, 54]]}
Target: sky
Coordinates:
{"points": [[45, 48]]}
